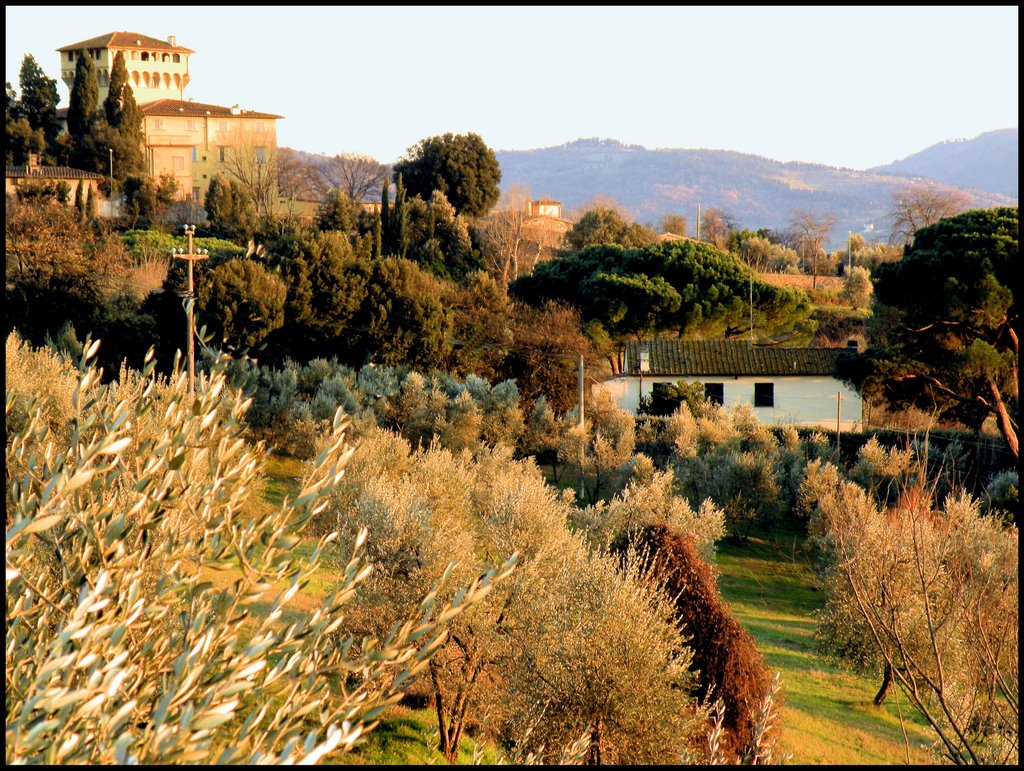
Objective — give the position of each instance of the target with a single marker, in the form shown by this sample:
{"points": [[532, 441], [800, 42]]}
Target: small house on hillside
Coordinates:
{"points": [[34, 175], [793, 386]]}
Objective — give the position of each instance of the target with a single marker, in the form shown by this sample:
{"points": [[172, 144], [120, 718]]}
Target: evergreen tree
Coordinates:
{"points": [[400, 219], [80, 195], [38, 104], [90, 204], [385, 224], [376, 244], [84, 99], [125, 120]]}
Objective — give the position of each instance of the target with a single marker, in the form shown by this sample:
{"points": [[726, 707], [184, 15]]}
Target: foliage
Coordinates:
{"points": [[336, 212], [242, 302], [229, 209], [124, 119], [665, 398], [946, 323], [124, 643], [857, 288], [931, 594], [713, 288], [603, 225], [727, 664], [148, 199], [37, 108], [460, 166]]}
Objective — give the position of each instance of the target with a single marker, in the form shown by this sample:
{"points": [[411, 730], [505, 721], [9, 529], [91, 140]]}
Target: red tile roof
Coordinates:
{"points": [[198, 110], [126, 40], [730, 357], [50, 172]]}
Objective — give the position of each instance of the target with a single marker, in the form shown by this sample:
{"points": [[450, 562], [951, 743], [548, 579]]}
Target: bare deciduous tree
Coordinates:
{"points": [[811, 229], [507, 248], [358, 176], [715, 226], [917, 206], [252, 162], [298, 177]]}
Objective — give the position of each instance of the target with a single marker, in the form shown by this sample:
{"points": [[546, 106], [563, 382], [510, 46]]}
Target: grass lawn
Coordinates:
{"points": [[828, 716]]}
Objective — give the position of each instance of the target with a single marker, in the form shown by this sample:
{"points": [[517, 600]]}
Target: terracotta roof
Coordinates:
{"points": [[126, 40], [730, 357], [198, 110], [50, 172], [667, 236]]}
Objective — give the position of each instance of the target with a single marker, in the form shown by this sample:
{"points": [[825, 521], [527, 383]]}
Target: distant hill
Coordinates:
{"points": [[988, 162], [756, 191]]}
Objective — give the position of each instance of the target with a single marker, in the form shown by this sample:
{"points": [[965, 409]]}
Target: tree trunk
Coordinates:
{"points": [[886, 682], [595, 743], [1003, 418]]}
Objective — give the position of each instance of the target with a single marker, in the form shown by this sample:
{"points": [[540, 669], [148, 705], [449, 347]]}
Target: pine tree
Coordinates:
{"points": [[38, 102], [385, 220]]}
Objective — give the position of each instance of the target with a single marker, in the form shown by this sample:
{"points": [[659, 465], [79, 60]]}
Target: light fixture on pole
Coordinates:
{"points": [[190, 298]]}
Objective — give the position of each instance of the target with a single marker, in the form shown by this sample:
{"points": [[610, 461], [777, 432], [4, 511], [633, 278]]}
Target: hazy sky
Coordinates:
{"points": [[854, 86]]}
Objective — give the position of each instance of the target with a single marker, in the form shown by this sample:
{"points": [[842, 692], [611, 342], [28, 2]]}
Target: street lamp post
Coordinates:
{"points": [[110, 198], [191, 256]]}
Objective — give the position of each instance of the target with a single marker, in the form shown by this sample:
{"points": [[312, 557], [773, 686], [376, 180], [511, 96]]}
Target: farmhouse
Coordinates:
{"points": [[795, 386], [34, 175]]}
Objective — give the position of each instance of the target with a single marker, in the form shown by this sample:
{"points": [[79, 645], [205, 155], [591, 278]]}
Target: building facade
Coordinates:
{"points": [[33, 174], [192, 141], [787, 386]]}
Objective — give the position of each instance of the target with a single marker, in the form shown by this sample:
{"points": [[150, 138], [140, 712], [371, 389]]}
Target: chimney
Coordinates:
{"points": [[172, 41], [235, 110], [33, 163]]}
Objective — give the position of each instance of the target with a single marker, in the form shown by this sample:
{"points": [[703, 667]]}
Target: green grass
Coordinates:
{"points": [[827, 716]]}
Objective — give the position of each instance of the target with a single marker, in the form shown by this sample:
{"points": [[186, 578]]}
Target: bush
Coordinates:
{"points": [[725, 658]]}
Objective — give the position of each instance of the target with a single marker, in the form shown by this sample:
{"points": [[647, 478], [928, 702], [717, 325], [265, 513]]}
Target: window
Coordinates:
{"points": [[220, 154], [158, 124], [195, 194], [195, 154], [71, 56], [715, 392], [176, 58], [764, 394], [191, 126], [261, 155], [178, 162], [145, 56]]}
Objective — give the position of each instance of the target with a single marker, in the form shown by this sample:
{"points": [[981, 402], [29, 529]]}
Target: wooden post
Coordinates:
{"points": [[581, 424], [839, 413], [191, 256]]}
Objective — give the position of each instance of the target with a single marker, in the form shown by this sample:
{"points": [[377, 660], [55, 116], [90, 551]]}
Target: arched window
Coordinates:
{"points": [[145, 56], [135, 78], [135, 56], [177, 81], [176, 58], [145, 79], [165, 58], [167, 80]]}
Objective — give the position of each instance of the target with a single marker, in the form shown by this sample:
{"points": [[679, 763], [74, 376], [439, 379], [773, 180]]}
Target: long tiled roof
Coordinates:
{"points": [[126, 40], [199, 110], [50, 172], [730, 357]]}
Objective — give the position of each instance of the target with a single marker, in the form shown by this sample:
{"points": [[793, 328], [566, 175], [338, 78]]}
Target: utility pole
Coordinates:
{"points": [[849, 251], [583, 435], [698, 222], [190, 298], [839, 413], [110, 198], [751, 308]]}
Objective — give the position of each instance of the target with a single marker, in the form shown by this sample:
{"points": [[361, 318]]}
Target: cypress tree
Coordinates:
{"points": [[80, 198], [90, 204], [376, 243], [85, 96], [385, 220], [399, 218], [125, 118]]}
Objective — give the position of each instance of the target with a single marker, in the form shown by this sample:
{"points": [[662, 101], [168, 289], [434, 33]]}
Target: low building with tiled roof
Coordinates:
{"points": [[795, 386], [33, 174]]}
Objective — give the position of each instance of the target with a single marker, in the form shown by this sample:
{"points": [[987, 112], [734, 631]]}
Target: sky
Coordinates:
{"points": [[853, 87]]}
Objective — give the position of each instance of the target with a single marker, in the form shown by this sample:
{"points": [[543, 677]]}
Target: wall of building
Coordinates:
{"points": [[155, 78], [805, 401], [193, 149]]}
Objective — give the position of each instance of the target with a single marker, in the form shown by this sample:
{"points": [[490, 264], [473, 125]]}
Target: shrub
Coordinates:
{"points": [[725, 658]]}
